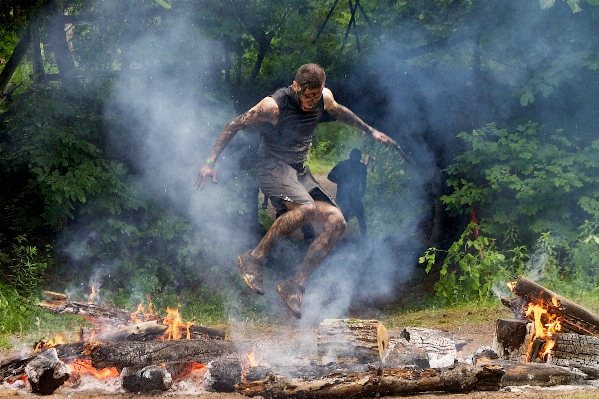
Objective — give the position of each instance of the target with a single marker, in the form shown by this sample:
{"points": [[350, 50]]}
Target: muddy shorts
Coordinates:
{"points": [[280, 182]]}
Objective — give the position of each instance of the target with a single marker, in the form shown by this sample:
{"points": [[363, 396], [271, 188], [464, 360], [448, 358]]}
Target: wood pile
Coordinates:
{"points": [[350, 357], [547, 331]]}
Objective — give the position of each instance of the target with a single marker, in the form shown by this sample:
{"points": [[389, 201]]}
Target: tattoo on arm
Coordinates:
{"points": [[255, 116], [346, 116]]}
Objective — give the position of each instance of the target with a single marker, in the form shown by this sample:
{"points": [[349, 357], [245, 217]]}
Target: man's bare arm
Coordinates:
{"points": [[266, 111], [346, 116]]}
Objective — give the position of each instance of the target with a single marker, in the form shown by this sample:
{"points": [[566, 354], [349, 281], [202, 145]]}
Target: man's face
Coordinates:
{"points": [[307, 98]]}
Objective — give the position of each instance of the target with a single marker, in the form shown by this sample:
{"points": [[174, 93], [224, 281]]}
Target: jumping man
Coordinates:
{"points": [[289, 117]]}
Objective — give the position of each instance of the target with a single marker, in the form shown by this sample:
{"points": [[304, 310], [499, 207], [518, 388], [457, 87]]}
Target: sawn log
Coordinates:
{"points": [[379, 382]]}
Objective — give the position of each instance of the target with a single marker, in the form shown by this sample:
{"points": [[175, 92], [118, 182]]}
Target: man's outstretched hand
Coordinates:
{"points": [[202, 176], [382, 137]]}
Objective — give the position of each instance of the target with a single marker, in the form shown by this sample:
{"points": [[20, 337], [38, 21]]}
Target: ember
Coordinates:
{"points": [[84, 367]]}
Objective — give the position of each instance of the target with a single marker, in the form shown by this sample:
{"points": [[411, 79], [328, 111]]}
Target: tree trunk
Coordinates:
{"points": [[39, 75], [14, 61], [60, 48]]}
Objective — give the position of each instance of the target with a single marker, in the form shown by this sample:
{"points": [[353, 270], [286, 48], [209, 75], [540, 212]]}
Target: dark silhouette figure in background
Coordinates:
{"points": [[350, 176]]}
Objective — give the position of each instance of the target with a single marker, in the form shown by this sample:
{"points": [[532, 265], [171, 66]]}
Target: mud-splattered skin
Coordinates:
{"points": [[321, 212], [266, 111]]}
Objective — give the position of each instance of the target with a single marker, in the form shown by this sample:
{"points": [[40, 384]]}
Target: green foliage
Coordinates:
{"points": [[55, 141], [525, 180], [25, 267], [471, 267]]}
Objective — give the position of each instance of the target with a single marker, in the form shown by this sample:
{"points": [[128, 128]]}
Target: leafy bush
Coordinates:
{"points": [[526, 180], [53, 142]]}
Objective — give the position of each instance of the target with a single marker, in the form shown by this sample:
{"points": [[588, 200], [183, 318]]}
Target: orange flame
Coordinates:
{"points": [[175, 322], [58, 340], [252, 357], [142, 314], [84, 367], [543, 329], [92, 296]]}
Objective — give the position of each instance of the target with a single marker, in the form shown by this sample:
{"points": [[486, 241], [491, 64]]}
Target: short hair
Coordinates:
{"points": [[355, 154], [310, 76]]}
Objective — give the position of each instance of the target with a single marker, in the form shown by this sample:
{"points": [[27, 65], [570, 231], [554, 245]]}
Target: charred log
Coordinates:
{"points": [[223, 374], [538, 374], [512, 339], [575, 350], [131, 354], [386, 381], [403, 354], [146, 379], [46, 372]]}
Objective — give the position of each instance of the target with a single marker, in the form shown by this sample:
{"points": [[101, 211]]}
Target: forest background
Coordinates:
{"points": [[109, 107]]}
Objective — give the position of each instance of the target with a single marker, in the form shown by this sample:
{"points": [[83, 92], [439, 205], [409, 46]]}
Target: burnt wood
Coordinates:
{"points": [[538, 374], [572, 316], [439, 345], [511, 339], [131, 354], [122, 321], [46, 372], [146, 379], [384, 381]]}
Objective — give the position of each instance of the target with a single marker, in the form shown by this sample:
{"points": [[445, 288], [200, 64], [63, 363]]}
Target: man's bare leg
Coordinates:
{"points": [[333, 223], [296, 217]]}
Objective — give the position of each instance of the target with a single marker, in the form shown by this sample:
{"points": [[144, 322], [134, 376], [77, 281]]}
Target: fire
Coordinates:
{"points": [[252, 357], [92, 296], [175, 322], [142, 314], [545, 325], [84, 367], [58, 340]]}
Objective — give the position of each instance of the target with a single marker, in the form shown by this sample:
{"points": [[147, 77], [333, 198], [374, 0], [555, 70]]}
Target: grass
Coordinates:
{"points": [[452, 317]]}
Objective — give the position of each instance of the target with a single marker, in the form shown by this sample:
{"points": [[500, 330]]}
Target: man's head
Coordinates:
{"points": [[308, 85], [355, 155]]}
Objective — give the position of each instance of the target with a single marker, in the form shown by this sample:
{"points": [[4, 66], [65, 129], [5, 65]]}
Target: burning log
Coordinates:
{"points": [[364, 340], [385, 381], [573, 318], [146, 379], [146, 325], [46, 372]]}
